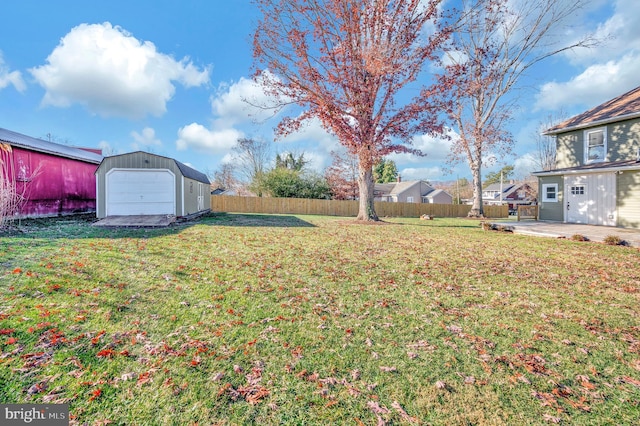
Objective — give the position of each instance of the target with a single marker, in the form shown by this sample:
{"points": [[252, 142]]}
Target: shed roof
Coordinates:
{"points": [[623, 107], [34, 144], [188, 172]]}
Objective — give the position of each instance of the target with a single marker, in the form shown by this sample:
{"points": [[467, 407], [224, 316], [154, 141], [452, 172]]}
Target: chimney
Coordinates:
{"points": [[399, 178]]}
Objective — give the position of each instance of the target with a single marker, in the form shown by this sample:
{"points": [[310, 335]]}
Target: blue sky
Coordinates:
{"points": [[170, 77]]}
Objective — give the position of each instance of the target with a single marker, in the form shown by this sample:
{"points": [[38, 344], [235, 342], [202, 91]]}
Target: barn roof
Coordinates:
{"points": [[34, 144]]}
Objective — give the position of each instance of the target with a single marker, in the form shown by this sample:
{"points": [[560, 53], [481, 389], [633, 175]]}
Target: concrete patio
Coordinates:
{"points": [[567, 230], [139, 221]]}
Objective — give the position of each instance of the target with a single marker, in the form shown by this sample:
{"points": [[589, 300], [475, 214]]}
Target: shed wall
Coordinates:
{"points": [[551, 210], [136, 160]]}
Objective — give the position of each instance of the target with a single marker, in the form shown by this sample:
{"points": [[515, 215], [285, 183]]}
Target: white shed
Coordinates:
{"points": [[140, 183]]}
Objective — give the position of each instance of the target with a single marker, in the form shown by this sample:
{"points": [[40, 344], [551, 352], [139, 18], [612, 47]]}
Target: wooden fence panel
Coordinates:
{"points": [[234, 204]]}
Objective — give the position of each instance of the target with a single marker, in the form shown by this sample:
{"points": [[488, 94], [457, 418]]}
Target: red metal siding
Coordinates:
{"points": [[53, 185]]}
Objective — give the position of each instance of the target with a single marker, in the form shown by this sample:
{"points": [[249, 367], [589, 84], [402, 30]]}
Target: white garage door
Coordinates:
{"points": [[140, 192]]}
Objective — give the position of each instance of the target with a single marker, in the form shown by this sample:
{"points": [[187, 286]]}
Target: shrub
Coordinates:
{"points": [[614, 240], [579, 237]]}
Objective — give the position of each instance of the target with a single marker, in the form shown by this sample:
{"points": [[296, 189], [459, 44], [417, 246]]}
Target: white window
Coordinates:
{"points": [[595, 145], [550, 192], [409, 199], [577, 190]]}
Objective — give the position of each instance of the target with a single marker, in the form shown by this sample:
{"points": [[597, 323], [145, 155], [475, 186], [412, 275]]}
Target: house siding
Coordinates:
{"points": [[623, 140], [622, 144], [570, 150], [442, 198], [628, 199], [552, 210]]}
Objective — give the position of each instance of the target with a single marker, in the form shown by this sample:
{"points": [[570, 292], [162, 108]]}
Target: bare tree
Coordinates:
{"points": [[545, 156], [251, 157], [346, 62], [492, 48], [224, 177]]}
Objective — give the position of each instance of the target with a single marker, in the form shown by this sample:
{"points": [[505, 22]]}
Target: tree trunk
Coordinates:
{"points": [[476, 209], [366, 209]]}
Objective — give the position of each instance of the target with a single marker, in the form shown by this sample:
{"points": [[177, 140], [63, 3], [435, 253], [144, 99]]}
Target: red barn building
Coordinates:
{"points": [[41, 178]]}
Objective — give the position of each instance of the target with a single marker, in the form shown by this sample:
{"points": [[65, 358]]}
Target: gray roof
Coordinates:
{"points": [[192, 173], [496, 187], [395, 188], [436, 192], [593, 167], [34, 144], [186, 171]]}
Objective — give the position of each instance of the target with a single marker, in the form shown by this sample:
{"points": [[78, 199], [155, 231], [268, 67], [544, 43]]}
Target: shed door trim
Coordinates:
{"points": [[133, 191]]}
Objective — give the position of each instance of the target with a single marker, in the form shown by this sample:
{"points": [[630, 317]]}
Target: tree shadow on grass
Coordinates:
{"points": [[255, 220], [38, 231]]}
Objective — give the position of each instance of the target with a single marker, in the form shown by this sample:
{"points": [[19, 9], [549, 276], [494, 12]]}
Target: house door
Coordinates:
{"points": [[577, 201]]}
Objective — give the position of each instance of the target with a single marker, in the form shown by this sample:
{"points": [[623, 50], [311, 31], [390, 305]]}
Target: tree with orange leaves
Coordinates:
{"points": [[346, 63]]}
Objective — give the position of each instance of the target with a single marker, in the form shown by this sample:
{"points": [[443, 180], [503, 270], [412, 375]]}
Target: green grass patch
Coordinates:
{"points": [[259, 319]]}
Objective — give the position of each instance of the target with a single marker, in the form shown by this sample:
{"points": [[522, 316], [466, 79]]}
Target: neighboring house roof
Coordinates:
{"points": [[34, 144], [624, 107], [186, 171], [434, 193], [496, 187], [396, 188], [594, 167]]}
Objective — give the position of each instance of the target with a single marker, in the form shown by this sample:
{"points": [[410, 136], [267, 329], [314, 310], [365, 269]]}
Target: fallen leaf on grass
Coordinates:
{"points": [[631, 381], [551, 419], [406, 417], [95, 394], [377, 408], [441, 385], [388, 369], [217, 377]]}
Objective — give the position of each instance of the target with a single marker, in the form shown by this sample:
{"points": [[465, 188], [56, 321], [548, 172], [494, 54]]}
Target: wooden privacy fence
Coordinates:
{"points": [[234, 204]]}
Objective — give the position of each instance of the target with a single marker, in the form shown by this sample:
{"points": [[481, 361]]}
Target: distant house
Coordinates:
{"points": [[596, 179], [513, 194], [140, 183], [415, 191], [52, 179]]}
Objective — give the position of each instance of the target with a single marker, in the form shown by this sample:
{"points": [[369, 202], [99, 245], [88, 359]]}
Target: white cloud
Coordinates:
{"points": [[242, 102], [201, 139], [620, 33], [112, 73], [611, 67], [145, 139], [422, 173], [106, 148], [596, 84], [525, 165], [8, 77], [435, 148]]}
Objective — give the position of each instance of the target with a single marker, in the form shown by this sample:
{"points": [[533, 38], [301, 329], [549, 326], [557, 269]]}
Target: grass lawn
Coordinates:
{"points": [[253, 319]]}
